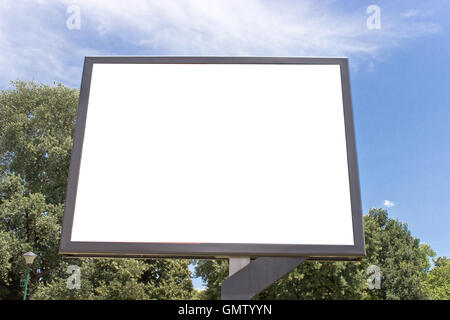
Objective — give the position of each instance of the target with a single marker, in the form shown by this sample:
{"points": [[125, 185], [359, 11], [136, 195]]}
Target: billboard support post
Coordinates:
{"points": [[237, 263], [256, 276]]}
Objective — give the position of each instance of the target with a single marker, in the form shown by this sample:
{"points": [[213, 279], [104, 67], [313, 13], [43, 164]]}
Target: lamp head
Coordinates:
{"points": [[29, 257]]}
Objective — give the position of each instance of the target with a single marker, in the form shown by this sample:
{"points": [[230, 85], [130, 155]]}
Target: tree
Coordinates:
{"points": [[36, 131], [402, 260], [122, 279], [27, 223], [437, 282], [212, 272]]}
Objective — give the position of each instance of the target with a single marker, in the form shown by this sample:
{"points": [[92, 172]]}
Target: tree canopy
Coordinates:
{"points": [[437, 282]]}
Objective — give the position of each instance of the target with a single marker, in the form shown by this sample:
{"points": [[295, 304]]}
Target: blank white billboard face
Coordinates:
{"points": [[214, 153]]}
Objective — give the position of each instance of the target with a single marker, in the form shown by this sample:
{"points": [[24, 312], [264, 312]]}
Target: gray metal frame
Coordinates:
{"points": [[212, 250]]}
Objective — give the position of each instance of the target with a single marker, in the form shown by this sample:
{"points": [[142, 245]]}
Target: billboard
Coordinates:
{"points": [[214, 157]]}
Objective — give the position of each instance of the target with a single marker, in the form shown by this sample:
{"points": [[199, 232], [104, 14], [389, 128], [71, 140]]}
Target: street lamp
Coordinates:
{"points": [[29, 258]]}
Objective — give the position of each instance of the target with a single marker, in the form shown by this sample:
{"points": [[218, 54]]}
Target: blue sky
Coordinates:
{"points": [[400, 73]]}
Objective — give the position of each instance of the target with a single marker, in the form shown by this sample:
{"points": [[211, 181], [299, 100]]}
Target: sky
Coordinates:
{"points": [[399, 54]]}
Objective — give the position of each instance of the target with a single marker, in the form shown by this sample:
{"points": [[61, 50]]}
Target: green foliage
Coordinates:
{"points": [[403, 261], [437, 283], [212, 272], [27, 223], [389, 245], [36, 129], [122, 279], [170, 279], [318, 281]]}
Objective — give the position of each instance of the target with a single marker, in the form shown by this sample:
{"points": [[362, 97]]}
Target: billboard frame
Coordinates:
{"points": [[212, 250]]}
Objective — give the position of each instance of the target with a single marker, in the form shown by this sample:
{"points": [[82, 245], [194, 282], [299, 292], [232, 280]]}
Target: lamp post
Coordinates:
{"points": [[29, 258]]}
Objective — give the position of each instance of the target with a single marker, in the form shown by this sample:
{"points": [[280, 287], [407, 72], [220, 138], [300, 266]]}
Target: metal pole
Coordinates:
{"points": [[26, 283], [256, 276], [237, 263]]}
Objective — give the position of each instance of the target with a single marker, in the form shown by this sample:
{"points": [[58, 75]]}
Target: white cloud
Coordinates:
{"points": [[389, 204], [409, 13], [246, 27], [32, 47], [34, 40]]}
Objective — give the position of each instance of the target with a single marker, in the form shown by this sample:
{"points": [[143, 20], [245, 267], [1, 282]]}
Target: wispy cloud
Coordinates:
{"points": [[409, 13], [34, 40], [247, 27], [34, 44], [389, 204]]}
